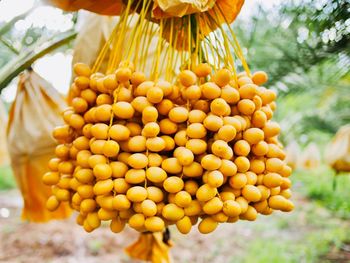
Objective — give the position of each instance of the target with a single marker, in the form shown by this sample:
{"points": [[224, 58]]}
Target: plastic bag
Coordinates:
{"points": [[337, 153], [4, 155], [311, 157], [33, 115]]}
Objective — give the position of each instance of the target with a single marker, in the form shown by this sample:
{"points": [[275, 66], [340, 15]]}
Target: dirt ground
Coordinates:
{"points": [[64, 241]]}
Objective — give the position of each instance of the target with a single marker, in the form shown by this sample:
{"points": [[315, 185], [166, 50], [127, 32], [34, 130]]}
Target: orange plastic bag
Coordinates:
{"points": [[4, 155], [337, 153], [33, 115]]}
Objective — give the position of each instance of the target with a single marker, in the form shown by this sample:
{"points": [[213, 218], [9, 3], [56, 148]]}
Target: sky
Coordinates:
{"points": [[56, 68]]}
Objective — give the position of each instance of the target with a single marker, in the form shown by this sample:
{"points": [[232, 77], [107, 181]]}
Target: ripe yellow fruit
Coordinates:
{"points": [[84, 176], [150, 114], [259, 77], [119, 169], [213, 123], [121, 186], [205, 193], [231, 208], [211, 162], [207, 225], [191, 187], [202, 70], [220, 107], [52, 203], [110, 148], [215, 179], [193, 170], [156, 174], [155, 194], [173, 212], [222, 77], [213, 206], [178, 114], [165, 106], [271, 129], [138, 160], [102, 171], [87, 205], [274, 165], [260, 149], [119, 132], [136, 194], [184, 156], [155, 95], [156, 144], [143, 88], [134, 128], [193, 92], [193, 209], [210, 90], [117, 225], [184, 225], [242, 164], [220, 148], [187, 78], [228, 168], [251, 193], [154, 160], [151, 129], [103, 187], [202, 105], [140, 103], [183, 199], [154, 224], [149, 208], [103, 112], [96, 159], [238, 181], [253, 135], [51, 178], [137, 221], [123, 110], [272, 180], [246, 106], [100, 131], [137, 144], [135, 176], [137, 78], [173, 184], [196, 131], [82, 69], [279, 202], [197, 146], [227, 133], [167, 126], [241, 148], [196, 116], [172, 165]]}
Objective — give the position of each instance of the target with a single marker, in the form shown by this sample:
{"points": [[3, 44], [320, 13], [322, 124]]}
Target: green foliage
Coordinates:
{"points": [[318, 185], [304, 47], [7, 181]]}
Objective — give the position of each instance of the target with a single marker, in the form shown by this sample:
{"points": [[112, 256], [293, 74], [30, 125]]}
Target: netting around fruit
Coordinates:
{"points": [[186, 140]]}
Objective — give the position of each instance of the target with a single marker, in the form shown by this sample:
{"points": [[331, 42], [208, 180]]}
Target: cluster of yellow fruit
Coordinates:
{"points": [[151, 154]]}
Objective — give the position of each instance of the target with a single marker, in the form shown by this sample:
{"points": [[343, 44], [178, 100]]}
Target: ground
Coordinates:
{"points": [[309, 234]]}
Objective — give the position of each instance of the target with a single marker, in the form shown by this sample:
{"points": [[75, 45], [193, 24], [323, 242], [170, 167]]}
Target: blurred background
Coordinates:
{"points": [[303, 45]]}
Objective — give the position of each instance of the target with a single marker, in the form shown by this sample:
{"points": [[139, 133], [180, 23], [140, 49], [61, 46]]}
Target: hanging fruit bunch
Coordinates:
{"points": [[195, 145], [337, 153]]}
